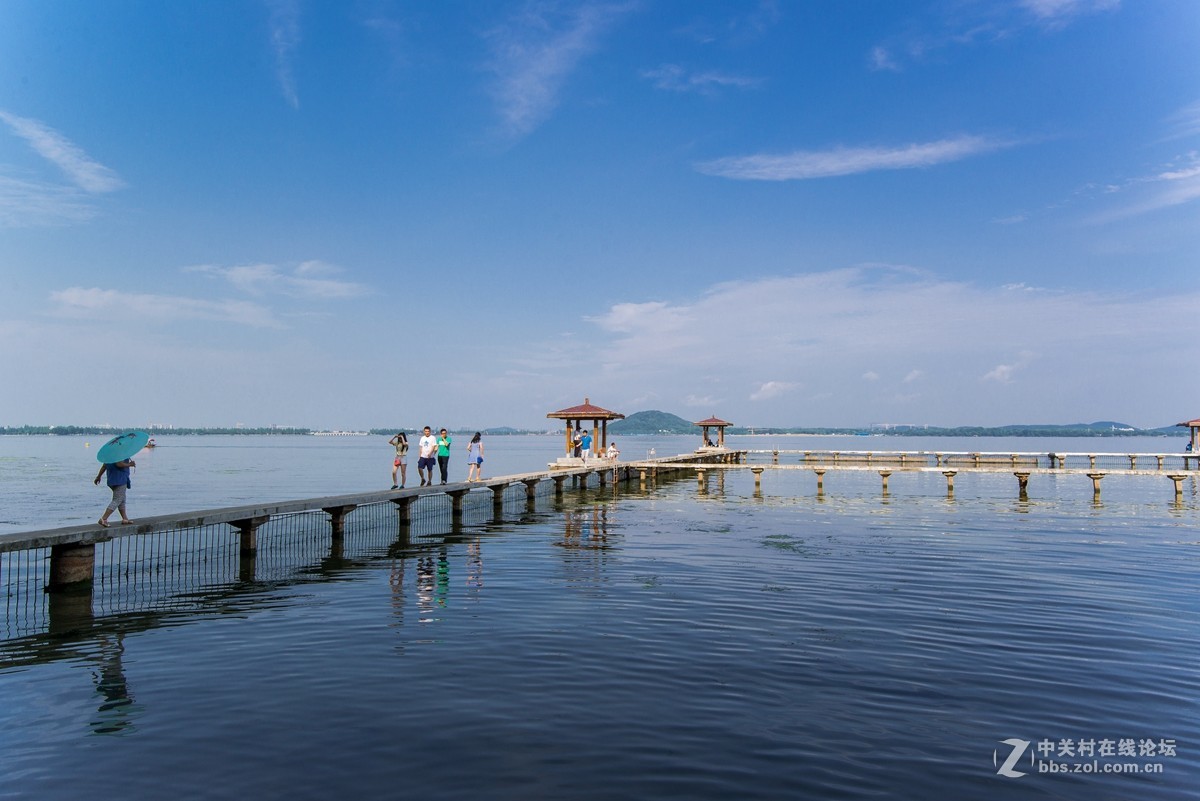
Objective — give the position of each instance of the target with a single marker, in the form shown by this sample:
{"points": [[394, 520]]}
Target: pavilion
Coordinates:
{"points": [[579, 414], [1194, 440], [713, 422]]}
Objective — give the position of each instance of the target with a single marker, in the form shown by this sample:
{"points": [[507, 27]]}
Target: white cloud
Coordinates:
{"points": [[116, 306], [700, 400], [307, 280], [674, 78], [535, 53], [1004, 373], [1062, 10], [827, 334], [807, 164], [285, 38], [80, 170], [882, 59], [772, 389]]}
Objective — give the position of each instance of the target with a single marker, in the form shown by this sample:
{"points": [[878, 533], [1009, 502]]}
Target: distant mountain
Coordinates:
{"points": [[652, 422]]}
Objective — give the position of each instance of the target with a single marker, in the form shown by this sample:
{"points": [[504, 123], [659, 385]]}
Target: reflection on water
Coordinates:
{"points": [[738, 643], [117, 711]]}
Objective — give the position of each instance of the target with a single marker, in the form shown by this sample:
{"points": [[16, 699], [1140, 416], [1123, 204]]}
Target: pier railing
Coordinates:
{"points": [[62, 579], [993, 460], [170, 562]]}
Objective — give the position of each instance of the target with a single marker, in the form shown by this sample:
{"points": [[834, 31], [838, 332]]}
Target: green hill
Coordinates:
{"points": [[652, 422]]}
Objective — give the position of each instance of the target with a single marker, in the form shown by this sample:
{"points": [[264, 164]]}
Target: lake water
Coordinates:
{"points": [[666, 644]]}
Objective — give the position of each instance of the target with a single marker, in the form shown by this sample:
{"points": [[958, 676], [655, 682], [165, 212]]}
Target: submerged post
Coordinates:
{"points": [[1178, 479], [498, 498], [249, 530], [456, 496], [884, 475], [71, 565], [337, 517], [1095, 477], [757, 471], [950, 474], [1022, 485], [820, 481], [402, 507]]}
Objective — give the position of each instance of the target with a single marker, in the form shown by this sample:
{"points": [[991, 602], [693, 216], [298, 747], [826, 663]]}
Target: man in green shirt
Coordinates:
{"points": [[443, 444]]}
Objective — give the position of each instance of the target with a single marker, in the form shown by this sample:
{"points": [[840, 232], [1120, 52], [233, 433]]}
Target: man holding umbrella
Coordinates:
{"points": [[116, 456]]}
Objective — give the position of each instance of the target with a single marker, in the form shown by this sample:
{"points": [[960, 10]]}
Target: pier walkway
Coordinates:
{"points": [[72, 556], [56, 580]]}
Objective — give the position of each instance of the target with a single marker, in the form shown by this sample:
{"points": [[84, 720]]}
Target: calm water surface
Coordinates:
{"points": [[664, 645]]}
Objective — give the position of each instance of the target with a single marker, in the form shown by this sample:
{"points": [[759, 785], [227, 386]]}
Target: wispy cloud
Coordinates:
{"points": [[674, 78], [79, 169], [745, 27], [807, 164], [1174, 185], [310, 279], [115, 305], [285, 38], [26, 204], [1062, 11], [961, 25], [535, 53], [1184, 123]]}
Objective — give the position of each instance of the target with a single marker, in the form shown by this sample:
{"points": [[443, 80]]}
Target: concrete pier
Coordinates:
{"points": [[72, 549]]}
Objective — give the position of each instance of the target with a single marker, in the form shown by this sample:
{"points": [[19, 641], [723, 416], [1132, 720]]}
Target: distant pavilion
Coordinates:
{"points": [[713, 422], [576, 415], [1194, 441]]}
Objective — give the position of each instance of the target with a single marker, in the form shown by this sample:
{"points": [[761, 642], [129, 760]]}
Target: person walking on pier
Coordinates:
{"points": [[427, 449], [443, 454], [475, 458], [119, 483], [400, 443]]}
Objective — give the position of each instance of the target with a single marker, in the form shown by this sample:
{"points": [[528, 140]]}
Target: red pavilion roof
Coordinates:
{"points": [[586, 411], [713, 421]]}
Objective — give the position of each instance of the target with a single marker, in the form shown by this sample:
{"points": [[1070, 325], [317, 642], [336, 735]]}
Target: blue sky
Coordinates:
{"points": [[372, 213]]}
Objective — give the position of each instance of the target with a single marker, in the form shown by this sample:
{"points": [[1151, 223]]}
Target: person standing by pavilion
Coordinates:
{"points": [[585, 444]]}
